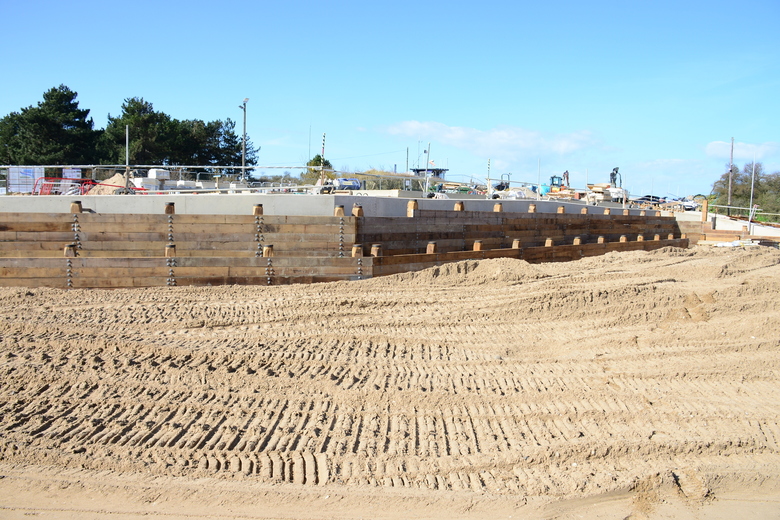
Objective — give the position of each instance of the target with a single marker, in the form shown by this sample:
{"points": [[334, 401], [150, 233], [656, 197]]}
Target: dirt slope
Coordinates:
{"points": [[640, 384]]}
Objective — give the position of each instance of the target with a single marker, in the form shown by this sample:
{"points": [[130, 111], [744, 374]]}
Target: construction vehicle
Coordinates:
{"points": [[559, 188]]}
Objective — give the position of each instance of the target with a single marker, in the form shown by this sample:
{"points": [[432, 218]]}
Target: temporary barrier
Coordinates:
{"points": [[83, 249]]}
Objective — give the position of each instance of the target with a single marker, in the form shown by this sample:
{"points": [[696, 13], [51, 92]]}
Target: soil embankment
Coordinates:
{"points": [[642, 383]]}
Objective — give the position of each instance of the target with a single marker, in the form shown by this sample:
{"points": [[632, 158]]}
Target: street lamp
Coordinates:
{"points": [[243, 143]]}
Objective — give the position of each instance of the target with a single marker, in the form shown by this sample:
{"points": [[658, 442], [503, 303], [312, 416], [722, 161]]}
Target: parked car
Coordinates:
{"points": [[650, 199], [688, 204]]}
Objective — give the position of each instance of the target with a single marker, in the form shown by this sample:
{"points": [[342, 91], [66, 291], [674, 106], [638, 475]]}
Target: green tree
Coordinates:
{"points": [[156, 138], [765, 188], [150, 134], [9, 143], [216, 144], [313, 173], [56, 131], [225, 146]]}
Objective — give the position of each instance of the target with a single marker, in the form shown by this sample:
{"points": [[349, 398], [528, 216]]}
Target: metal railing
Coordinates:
{"points": [[751, 214]]}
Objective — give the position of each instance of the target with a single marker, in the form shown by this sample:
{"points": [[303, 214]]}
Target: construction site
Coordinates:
{"points": [[279, 239], [344, 356]]}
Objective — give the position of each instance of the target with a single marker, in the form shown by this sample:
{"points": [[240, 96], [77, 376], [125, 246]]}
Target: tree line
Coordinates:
{"points": [[58, 132], [765, 188]]}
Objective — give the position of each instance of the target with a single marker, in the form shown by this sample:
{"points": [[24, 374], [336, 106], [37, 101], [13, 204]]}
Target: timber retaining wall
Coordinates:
{"points": [[143, 250]]}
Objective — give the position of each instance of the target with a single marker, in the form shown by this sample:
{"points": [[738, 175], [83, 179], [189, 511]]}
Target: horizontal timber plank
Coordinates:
{"points": [[37, 262], [32, 246], [33, 272], [56, 282], [39, 236], [35, 227], [21, 253]]}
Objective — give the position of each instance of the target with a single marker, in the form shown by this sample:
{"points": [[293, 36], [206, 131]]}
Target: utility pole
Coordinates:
{"points": [[489, 187], [322, 162], [243, 143], [752, 182], [427, 158], [127, 156], [539, 179], [731, 167]]}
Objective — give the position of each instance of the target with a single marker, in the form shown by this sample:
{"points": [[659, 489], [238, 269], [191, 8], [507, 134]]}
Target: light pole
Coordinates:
{"points": [[427, 158], [243, 143]]}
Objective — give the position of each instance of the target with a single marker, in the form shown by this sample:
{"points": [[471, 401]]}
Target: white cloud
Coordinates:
{"points": [[742, 151], [664, 165], [505, 143]]}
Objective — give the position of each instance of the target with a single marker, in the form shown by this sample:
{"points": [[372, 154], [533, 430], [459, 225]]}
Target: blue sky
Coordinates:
{"points": [[655, 88]]}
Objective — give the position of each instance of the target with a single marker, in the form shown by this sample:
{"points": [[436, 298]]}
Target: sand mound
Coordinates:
{"points": [[108, 186], [476, 389], [505, 271]]}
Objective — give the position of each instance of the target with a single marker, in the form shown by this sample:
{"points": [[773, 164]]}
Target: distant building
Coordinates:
{"points": [[433, 172]]}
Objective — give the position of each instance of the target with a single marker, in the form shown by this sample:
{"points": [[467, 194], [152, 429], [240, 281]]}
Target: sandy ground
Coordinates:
{"points": [[632, 385]]}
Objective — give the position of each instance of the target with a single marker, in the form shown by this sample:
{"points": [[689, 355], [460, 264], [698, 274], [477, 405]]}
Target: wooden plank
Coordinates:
{"points": [[45, 236], [123, 218], [33, 272], [114, 283], [205, 220], [132, 253], [97, 236], [125, 262], [295, 271], [33, 282], [35, 227], [250, 237], [35, 217], [260, 262], [20, 253], [34, 262], [279, 243], [121, 272], [349, 221], [194, 253], [32, 246], [109, 246], [106, 228]]}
